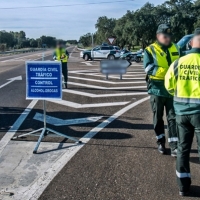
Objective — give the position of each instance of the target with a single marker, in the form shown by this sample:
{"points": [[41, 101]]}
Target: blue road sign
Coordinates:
{"points": [[43, 80]]}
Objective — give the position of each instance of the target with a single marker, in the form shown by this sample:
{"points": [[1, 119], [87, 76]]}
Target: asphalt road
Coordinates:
{"points": [[119, 158]]}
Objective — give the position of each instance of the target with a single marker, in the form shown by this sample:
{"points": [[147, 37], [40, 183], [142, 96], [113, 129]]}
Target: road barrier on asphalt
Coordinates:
{"points": [[44, 82], [110, 67]]}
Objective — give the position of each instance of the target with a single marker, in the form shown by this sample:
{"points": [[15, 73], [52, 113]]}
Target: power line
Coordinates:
{"points": [[67, 5]]}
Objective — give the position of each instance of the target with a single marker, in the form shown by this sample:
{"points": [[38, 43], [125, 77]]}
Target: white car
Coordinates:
{"points": [[101, 52]]}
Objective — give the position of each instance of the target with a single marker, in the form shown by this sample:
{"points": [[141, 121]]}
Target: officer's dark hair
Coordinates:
{"points": [[59, 42]]}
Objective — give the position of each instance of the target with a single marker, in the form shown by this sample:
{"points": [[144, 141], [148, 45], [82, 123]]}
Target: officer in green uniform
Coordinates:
{"points": [[61, 54], [183, 82], [157, 59]]}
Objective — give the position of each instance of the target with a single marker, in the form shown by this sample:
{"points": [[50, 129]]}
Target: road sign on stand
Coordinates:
{"points": [[111, 40], [114, 67], [44, 81]]}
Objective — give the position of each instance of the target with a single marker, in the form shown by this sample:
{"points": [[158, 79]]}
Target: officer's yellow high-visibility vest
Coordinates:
{"points": [[160, 59], [61, 52], [183, 79]]}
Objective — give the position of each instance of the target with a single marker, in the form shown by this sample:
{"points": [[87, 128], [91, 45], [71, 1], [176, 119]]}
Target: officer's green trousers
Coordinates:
{"points": [[159, 104], [65, 72], [187, 126]]}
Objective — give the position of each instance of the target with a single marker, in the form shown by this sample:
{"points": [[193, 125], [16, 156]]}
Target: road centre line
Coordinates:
{"points": [[93, 105], [108, 82], [103, 95], [37, 188], [105, 88], [12, 131]]}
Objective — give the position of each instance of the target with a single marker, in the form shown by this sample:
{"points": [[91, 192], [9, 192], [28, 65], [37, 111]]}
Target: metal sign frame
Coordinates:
{"points": [[45, 130]]}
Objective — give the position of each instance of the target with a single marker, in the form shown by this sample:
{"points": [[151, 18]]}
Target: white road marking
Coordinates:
{"points": [[10, 80], [95, 105], [102, 81], [87, 63], [105, 88], [103, 95], [125, 78], [61, 122], [84, 70], [7, 137], [91, 74], [35, 190]]}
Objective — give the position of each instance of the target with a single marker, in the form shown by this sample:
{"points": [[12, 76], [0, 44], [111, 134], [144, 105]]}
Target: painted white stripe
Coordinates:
{"points": [[7, 137], [105, 88], [91, 74], [18, 78], [125, 78], [84, 70], [174, 139], [87, 63], [103, 95], [160, 136], [61, 122], [183, 175], [108, 82], [95, 105], [35, 190]]}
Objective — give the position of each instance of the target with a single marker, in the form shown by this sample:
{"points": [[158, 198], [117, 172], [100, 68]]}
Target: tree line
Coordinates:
{"points": [[18, 40], [139, 27]]}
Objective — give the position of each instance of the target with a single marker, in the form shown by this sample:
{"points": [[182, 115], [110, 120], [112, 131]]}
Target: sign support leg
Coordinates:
{"points": [[45, 131]]}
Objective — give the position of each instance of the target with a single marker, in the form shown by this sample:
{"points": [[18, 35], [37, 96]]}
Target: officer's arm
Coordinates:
{"points": [[148, 63], [170, 79], [67, 53]]}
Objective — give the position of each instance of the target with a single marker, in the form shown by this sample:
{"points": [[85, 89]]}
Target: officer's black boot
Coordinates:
{"points": [[184, 192], [161, 148]]}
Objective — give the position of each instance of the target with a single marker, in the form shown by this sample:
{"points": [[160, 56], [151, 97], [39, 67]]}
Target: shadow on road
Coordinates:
{"points": [[195, 191]]}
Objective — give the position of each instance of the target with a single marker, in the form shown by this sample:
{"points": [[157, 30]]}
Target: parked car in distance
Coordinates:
{"points": [[101, 52], [184, 43]]}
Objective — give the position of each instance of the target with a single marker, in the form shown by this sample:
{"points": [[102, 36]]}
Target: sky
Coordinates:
{"points": [[61, 22]]}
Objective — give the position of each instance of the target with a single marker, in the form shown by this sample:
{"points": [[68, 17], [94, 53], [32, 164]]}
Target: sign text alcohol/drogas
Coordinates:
{"points": [[43, 80]]}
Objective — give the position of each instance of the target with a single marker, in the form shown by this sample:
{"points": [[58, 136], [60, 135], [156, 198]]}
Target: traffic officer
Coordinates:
{"points": [[157, 59], [183, 82], [61, 54]]}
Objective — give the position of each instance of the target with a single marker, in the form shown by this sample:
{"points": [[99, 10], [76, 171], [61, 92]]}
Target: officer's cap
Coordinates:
{"points": [[165, 29], [197, 31]]}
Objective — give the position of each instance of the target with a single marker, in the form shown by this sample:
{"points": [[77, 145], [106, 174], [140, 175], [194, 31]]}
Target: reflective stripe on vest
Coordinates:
{"points": [[160, 60], [187, 75], [60, 53]]}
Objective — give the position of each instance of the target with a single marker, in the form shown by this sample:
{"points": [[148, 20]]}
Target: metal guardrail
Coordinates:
{"points": [[21, 51]]}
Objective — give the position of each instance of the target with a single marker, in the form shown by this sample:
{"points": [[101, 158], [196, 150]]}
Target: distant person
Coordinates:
{"points": [[61, 54], [157, 59], [183, 82]]}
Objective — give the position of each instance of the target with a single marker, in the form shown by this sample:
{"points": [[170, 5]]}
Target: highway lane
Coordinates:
{"points": [[12, 101], [118, 159]]}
